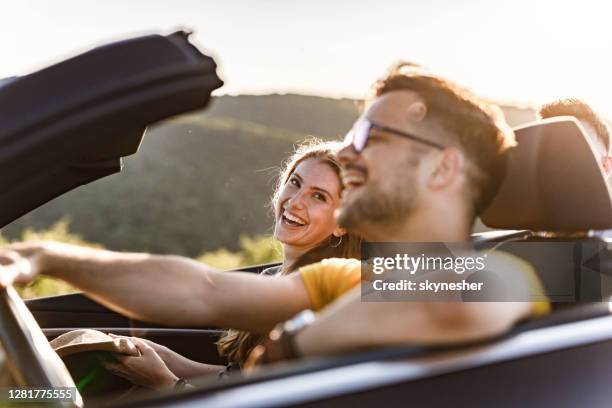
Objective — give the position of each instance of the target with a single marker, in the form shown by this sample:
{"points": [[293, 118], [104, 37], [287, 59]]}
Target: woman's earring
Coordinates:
{"points": [[337, 244]]}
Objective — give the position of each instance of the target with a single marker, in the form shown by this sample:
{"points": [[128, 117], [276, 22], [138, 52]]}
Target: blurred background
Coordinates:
{"points": [[200, 184]]}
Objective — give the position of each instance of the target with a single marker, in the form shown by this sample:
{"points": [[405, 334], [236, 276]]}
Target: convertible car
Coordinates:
{"points": [[71, 124]]}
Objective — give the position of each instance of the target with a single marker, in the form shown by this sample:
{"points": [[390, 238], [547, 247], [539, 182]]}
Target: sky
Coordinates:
{"points": [[522, 52]]}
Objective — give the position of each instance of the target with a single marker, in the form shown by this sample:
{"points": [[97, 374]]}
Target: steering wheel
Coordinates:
{"points": [[31, 360]]}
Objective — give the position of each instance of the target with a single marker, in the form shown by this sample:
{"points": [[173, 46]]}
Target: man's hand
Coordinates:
{"points": [[147, 370], [20, 263]]}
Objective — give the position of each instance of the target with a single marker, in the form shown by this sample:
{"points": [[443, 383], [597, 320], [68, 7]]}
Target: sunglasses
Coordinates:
{"points": [[360, 133]]}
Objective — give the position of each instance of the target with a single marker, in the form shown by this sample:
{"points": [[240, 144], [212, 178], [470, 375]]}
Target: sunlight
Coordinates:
{"points": [[522, 52]]}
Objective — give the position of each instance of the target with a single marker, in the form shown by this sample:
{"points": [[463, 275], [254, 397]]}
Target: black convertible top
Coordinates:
{"points": [[70, 124]]}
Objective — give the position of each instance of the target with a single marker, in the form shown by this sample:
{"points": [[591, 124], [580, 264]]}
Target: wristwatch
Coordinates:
{"points": [[280, 344], [290, 329]]}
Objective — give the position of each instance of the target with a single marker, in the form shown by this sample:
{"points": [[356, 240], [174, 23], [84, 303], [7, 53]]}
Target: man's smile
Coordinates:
{"points": [[353, 176]]}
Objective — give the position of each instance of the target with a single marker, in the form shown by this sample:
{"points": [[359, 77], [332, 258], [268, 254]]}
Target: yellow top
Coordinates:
{"points": [[329, 279]]}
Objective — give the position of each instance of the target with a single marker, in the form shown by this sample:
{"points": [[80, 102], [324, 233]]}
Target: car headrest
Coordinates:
{"points": [[553, 181]]}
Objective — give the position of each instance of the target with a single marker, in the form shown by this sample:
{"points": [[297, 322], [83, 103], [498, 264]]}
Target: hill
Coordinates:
{"points": [[201, 180]]}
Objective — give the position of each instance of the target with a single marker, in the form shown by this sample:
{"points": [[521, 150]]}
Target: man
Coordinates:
{"points": [[597, 129], [420, 164], [422, 161]]}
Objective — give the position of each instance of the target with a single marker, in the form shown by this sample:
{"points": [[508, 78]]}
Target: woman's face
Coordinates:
{"points": [[305, 209]]}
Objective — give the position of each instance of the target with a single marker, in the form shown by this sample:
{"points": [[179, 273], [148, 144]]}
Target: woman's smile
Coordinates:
{"points": [[292, 220]]}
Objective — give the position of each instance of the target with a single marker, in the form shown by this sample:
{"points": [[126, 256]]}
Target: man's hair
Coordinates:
{"points": [[581, 111], [479, 127]]}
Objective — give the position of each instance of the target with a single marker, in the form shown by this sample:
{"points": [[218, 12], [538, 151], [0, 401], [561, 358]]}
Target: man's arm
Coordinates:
{"points": [[442, 320], [350, 324], [167, 289]]}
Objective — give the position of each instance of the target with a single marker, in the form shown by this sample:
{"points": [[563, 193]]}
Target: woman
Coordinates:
{"points": [[306, 196]]}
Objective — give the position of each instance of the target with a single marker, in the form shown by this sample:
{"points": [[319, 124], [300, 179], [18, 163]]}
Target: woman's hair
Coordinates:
{"points": [[236, 344]]}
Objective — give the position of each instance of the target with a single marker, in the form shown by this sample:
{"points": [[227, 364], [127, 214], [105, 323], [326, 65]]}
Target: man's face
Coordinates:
{"points": [[381, 183]]}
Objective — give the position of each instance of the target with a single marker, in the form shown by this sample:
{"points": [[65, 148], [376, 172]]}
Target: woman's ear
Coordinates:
{"points": [[338, 232], [449, 165]]}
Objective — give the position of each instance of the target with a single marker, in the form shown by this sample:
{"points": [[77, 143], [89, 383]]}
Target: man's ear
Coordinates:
{"points": [[448, 166], [338, 232], [417, 111], [607, 165]]}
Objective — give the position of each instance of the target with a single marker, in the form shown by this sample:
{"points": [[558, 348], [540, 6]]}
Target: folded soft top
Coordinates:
{"points": [[71, 123]]}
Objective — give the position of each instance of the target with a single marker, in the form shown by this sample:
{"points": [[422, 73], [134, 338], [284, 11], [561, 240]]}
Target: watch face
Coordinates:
{"points": [[299, 321]]}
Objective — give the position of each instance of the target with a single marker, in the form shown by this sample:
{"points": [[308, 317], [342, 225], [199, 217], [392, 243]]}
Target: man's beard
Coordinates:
{"points": [[377, 206]]}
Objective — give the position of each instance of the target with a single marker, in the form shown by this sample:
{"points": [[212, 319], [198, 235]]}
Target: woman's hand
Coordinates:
{"points": [[181, 366], [163, 351], [147, 370]]}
